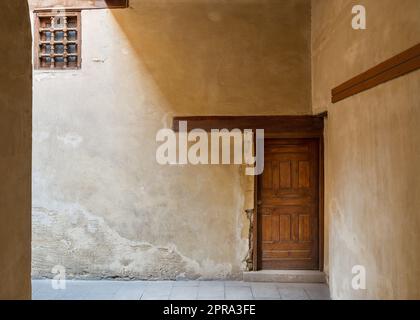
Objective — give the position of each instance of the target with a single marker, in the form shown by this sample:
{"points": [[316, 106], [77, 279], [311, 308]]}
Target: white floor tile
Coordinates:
{"points": [[177, 290]]}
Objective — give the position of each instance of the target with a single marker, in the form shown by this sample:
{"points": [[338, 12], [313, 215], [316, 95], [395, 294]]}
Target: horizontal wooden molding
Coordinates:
{"points": [[397, 66], [40, 5], [271, 124]]}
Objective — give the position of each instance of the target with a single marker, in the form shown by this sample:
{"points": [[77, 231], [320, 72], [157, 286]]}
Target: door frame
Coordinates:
{"points": [[256, 236]]}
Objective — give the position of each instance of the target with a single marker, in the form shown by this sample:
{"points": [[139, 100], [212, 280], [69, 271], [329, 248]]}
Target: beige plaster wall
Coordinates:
{"points": [[372, 149], [15, 150], [102, 206]]}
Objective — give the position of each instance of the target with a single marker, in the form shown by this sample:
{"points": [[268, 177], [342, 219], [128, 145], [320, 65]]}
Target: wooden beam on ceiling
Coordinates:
{"points": [[77, 4]]}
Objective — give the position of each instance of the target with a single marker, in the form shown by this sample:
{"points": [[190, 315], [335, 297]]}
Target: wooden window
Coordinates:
{"points": [[57, 40]]}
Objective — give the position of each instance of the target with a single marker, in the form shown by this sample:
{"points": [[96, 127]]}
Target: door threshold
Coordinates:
{"points": [[286, 276]]}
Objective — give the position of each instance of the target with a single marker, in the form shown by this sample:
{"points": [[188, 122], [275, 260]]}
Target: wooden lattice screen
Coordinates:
{"points": [[57, 40]]}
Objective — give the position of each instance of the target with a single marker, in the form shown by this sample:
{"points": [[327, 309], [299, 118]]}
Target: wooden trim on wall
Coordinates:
{"points": [[321, 220], [254, 222], [399, 65], [256, 225], [289, 126]]}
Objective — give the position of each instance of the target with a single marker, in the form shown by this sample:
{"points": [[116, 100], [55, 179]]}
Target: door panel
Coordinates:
{"points": [[288, 205]]}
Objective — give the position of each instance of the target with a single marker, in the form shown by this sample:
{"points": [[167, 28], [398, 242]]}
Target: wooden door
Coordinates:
{"points": [[288, 205]]}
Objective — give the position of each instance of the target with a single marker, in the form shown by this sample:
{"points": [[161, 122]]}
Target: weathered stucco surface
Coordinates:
{"points": [[15, 150], [102, 206], [372, 149]]}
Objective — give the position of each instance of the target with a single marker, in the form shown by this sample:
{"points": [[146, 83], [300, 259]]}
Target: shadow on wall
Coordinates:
{"points": [[15, 150], [210, 57]]}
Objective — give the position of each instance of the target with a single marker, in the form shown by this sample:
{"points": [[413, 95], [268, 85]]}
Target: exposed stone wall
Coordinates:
{"points": [[372, 149], [15, 150], [102, 206]]}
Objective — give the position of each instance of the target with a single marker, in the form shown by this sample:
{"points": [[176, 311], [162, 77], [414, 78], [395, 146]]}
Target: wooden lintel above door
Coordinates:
{"points": [[312, 125]]}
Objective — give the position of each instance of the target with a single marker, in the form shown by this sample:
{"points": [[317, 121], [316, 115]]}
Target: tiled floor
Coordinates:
{"points": [[177, 290]]}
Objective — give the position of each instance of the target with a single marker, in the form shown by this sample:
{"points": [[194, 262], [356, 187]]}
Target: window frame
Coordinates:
{"points": [[38, 14]]}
